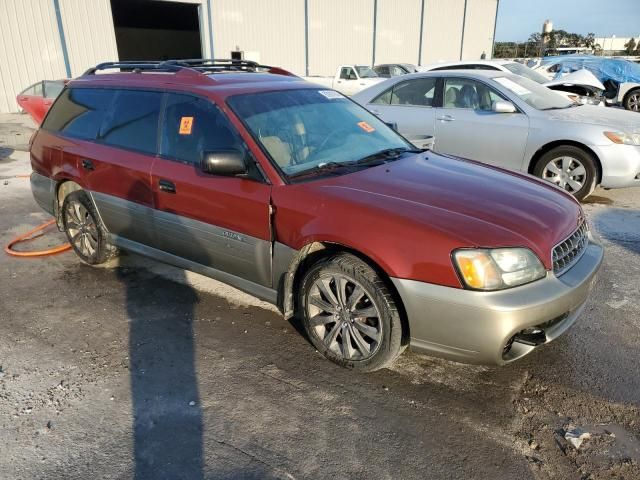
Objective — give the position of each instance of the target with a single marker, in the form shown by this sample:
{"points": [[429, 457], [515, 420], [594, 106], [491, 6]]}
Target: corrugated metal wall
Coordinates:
{"points": [[339, 32], [442, 34], [398, 31], [29, 47], [271, 32], [478, 28], [89, 33], [268, 32]]}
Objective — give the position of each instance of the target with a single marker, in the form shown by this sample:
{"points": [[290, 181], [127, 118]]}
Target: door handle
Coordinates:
{"points": [[446, 118], [88, 164], [167, 186]]}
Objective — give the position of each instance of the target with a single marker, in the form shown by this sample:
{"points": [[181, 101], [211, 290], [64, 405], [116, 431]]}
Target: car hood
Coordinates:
{"points": [[594, 115], [474, 204], [581, 77]]}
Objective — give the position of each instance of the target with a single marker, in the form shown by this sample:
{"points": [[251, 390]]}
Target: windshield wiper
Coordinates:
{"points": [[372, 160], [321, 168], [386, 154]]}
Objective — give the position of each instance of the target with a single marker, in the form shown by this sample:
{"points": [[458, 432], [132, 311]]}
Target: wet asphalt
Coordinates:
{"points": [[121, 372]]}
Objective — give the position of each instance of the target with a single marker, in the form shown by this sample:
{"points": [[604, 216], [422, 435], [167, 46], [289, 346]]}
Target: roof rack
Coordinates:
{"points": [[201, 65]]}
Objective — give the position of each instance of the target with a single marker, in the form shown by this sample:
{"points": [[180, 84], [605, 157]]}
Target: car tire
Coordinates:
{"points": [[570, 168], [632, 100], [349, 313], [85, 232]]}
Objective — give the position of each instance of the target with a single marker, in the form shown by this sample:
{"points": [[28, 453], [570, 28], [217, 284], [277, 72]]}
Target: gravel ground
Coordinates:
{"points": [[141, 370]]}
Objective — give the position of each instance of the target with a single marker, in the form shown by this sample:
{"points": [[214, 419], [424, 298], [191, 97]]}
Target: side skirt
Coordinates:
{"points": [[259, 291]]}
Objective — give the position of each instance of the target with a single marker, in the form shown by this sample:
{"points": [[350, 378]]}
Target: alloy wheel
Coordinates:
{"points": [[343, 316], [566, 172], [634, 102], [82, 229]]}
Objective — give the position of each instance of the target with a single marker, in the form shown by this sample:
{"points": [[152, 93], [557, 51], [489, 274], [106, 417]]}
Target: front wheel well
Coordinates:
{"points": [[561, 143], [318, 251]]}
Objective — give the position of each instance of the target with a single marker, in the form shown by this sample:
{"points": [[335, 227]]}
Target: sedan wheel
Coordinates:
{"points": [[566, 172], [343, 316], [633, 101], [349, 313], [571, 168]]}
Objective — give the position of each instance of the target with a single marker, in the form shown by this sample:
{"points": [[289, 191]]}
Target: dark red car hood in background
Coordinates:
{"points": [[429, 202]]}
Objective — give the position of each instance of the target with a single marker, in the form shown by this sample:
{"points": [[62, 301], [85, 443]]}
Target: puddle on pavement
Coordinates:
{"points": [[595, 199]]}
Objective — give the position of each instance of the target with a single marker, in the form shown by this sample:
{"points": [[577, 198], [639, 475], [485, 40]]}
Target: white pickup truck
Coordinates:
{"points": [[349, 79]]}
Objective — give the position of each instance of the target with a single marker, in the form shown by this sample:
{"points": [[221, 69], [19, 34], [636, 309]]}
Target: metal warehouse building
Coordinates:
{"points": [[51, 39]]}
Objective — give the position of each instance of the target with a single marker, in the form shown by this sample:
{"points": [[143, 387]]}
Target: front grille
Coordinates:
{"points": [[568, 252]]}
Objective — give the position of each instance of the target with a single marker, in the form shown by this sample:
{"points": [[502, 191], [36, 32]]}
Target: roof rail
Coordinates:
{"points": [[213, 65], [201, 65]]}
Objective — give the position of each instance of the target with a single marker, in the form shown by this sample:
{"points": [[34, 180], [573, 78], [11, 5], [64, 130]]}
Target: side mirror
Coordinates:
{"points": [[392, 125], [502, 106], [227, 162]]}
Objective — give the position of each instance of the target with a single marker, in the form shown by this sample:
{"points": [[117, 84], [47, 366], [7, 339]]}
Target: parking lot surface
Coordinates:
{"points": [[140, 369]]}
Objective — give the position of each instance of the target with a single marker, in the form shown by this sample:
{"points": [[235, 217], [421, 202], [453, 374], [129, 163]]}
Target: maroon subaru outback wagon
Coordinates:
{"points": [[297, 195]]}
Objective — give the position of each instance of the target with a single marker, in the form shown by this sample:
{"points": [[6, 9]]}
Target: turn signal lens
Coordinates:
{"points": [[497, 269], [623, 138]]}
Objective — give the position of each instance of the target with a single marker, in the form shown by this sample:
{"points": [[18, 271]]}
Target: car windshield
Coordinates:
{"points": [[365, 72], [534, 94], [526, 72], [304, 131]]}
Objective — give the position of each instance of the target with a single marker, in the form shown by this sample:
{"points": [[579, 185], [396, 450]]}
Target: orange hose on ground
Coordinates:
{"points": [[36, 253]]}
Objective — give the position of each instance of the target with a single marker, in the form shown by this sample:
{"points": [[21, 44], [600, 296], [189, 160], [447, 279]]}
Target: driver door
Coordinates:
{"points": [[466, 125]]}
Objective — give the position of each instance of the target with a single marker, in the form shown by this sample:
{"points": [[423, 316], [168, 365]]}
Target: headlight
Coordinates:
{"points": [[497, 268], [623, 138]]}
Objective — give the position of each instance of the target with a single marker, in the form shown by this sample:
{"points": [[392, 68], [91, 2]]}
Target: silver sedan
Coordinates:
{"points": [[507, 120]]}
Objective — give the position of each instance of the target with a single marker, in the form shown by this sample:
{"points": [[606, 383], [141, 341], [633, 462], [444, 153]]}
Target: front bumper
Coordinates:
{"points": [[479, 327], [620, 165]]}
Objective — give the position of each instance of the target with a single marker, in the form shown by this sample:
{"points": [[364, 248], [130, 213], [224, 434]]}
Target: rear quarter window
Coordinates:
{"points": [[78, 112]]}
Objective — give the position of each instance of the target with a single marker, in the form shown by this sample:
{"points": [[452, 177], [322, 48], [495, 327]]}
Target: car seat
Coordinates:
{"points": [[451, 97], [468, 97]]}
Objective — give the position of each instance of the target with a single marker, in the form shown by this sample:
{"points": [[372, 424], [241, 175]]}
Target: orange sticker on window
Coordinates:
{"points": [[366, 127], [186, 123]]}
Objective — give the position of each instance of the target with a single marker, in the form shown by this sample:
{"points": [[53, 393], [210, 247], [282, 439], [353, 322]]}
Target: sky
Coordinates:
{"points": [[517, 19]]}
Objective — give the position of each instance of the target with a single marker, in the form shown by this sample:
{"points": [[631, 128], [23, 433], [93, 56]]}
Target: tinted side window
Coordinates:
{"points": [[193, 125], [78, 112], [418, 92], [132, 121]]}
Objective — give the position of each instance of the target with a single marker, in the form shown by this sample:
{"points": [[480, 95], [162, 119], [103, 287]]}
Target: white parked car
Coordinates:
{"points": [[513, 122], [582, 87], [349, 79], [623, 85]]}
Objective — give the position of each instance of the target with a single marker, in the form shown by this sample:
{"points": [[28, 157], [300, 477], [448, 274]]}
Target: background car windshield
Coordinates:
{"points": [[366, 72], [536, 95], [526, 72], [301, 129]]}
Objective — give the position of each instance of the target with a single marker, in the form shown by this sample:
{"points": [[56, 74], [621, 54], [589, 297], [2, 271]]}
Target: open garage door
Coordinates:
{"points": [[156, 30]]}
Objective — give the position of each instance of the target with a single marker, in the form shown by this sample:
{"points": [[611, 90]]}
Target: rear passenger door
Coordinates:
{"points": [[219, 222], [117, 167], [408, 104]]}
